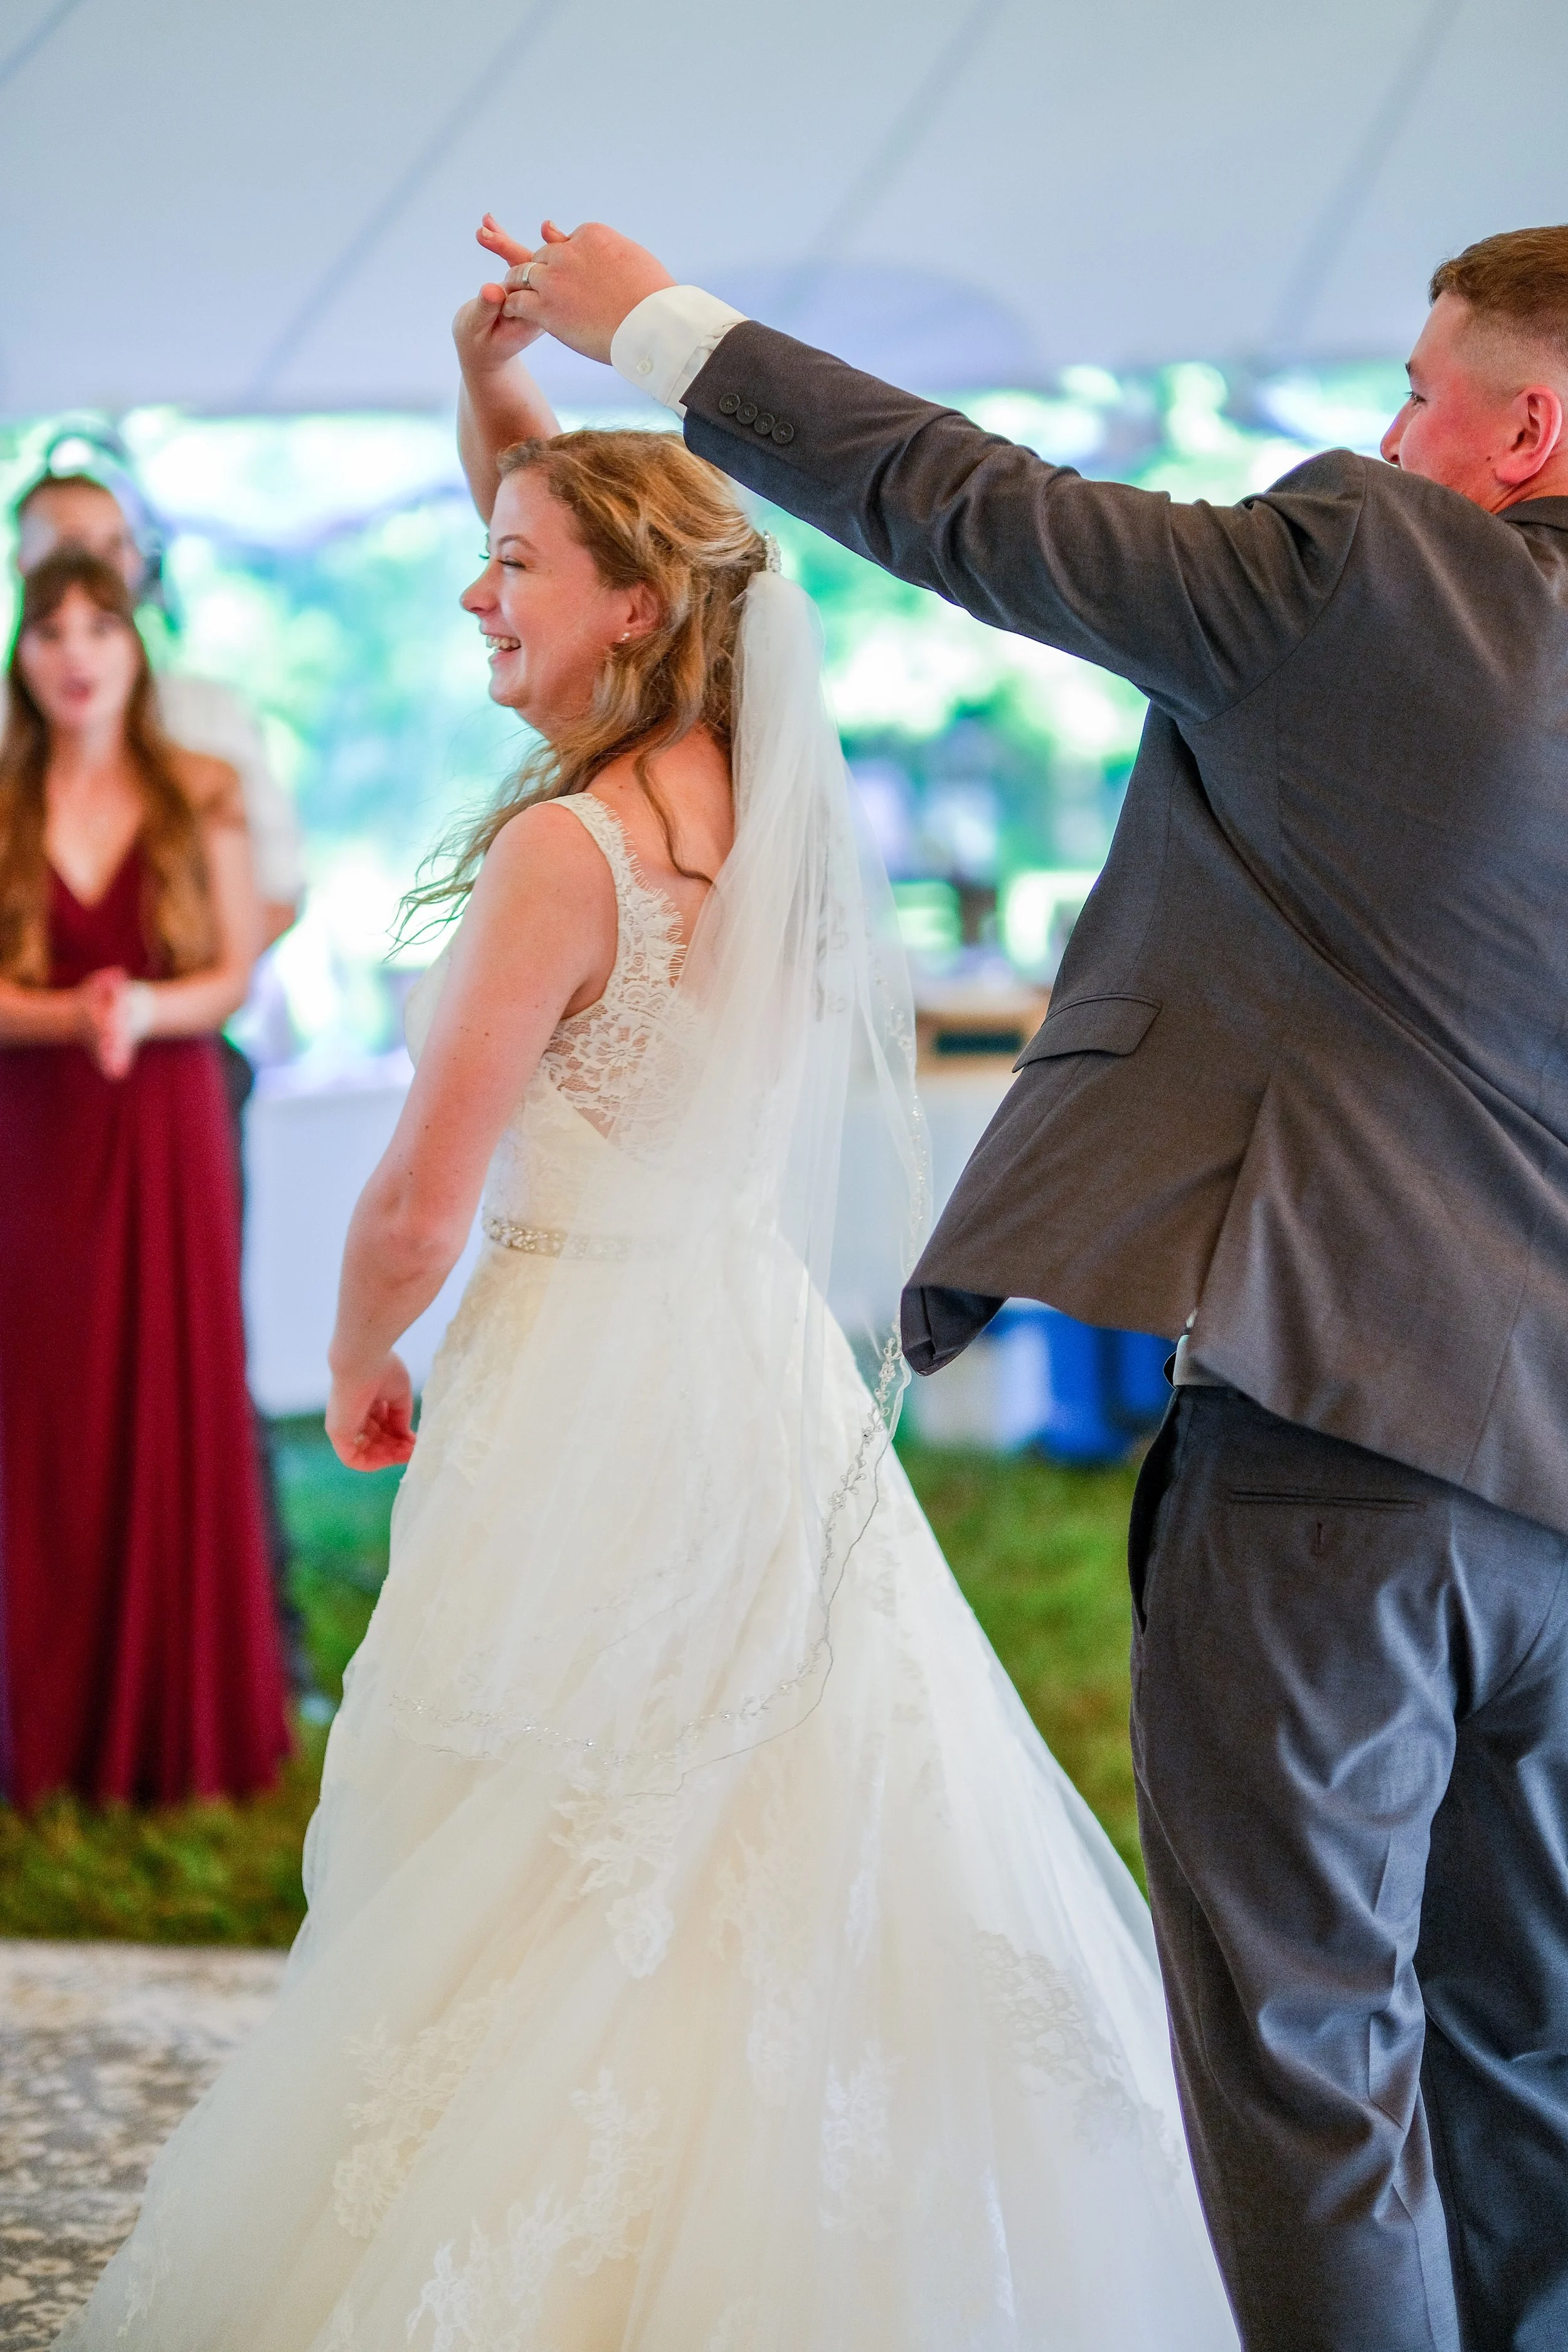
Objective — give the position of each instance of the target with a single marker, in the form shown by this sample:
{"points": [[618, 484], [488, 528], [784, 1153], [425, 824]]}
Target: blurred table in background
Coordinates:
{"points": [[311, 1142]]}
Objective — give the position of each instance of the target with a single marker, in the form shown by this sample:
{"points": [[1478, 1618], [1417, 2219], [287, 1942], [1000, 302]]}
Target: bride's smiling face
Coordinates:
{"points": [[545, 614]]}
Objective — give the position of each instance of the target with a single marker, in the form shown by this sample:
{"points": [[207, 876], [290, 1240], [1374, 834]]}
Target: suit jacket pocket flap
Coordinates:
{"points": [[1090, 1024]]}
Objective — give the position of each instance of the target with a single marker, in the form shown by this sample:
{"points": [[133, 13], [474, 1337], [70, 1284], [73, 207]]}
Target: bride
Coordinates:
{"points": [[704, 1952]]}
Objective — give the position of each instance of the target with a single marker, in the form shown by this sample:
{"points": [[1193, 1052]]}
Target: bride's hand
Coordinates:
{"points": [[485, 337], [369, 1420]]}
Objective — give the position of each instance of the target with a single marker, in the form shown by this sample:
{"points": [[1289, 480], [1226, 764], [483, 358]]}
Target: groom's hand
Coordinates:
{"points": [[581, 287]]}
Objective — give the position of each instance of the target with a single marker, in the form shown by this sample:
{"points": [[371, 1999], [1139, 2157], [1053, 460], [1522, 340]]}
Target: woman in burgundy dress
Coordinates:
{"points": [[141, 1657]]}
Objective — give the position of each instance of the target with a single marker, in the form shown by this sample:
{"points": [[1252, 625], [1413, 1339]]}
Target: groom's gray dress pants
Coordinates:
{"points": [[1350, 1735]]}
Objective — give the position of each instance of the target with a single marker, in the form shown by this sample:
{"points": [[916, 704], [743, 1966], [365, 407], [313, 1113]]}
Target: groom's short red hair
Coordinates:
{"points": [[1518, 280]]}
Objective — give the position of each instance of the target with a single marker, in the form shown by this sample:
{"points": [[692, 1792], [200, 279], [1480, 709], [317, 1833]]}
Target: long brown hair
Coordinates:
{"points": [[648, 512], [178, 912]]}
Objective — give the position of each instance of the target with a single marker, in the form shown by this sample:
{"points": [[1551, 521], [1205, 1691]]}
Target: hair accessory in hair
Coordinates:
{"points": [[775, 560]]}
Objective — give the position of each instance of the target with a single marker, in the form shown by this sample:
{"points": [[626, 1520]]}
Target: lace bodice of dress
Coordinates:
{"points": [[548, 1151], [595, 1056]]}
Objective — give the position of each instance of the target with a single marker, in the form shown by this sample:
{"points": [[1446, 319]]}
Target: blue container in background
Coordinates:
{"points": [[1080, 1424], [1136, 1378], [1037, 1376]]}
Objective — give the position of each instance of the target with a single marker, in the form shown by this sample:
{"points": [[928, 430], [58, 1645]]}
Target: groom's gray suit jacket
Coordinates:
{"points": [[1305, 1069]]}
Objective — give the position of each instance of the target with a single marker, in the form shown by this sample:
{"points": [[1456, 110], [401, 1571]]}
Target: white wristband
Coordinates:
{"points": [[666, 340], [142, 1004]]}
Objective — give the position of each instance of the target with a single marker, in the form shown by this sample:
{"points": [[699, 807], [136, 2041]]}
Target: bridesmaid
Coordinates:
{"points": [[140, 1655]]}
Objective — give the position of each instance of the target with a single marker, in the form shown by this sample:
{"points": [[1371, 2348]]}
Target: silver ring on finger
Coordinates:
{"points": [[525, 276]]}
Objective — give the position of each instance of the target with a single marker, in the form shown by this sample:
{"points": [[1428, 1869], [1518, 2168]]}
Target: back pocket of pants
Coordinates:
{"points": [[1314, 1498], [1328, 1525]]}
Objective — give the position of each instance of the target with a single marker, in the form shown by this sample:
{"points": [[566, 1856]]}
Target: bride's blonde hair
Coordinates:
{"points": [[649, 513]]}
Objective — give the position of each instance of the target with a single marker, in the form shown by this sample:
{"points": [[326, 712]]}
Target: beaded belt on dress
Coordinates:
{"points": [[551, 1241]]}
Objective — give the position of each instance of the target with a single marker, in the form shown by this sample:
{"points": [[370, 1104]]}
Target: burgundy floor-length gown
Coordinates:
{"points": [[140, 1652]]}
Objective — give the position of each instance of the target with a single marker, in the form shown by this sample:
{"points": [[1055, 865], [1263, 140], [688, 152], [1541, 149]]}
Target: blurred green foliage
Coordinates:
{"points": [[373, 682]]}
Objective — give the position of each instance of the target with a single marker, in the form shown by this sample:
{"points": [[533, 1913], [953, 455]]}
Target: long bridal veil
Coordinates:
{"points": [[636, 1570]]}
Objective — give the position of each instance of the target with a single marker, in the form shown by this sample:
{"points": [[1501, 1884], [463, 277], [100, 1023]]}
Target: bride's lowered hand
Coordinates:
{"points": [[579, 287], [370, 1418]]}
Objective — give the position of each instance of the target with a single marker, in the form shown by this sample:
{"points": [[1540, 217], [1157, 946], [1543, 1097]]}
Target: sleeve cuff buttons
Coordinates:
{"points": [[761, 420]]}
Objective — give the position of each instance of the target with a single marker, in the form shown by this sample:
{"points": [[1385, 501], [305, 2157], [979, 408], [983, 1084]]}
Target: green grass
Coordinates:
{"points": [[1041, 1554], [208, 1874], [338, 1522], [1038, 1550]]}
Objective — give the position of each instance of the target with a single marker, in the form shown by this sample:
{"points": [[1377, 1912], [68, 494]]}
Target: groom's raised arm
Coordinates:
{"points": [[1195, 604]]}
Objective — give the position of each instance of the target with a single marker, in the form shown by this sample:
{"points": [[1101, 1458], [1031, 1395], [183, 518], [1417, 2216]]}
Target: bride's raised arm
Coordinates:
{"points": [[499, 402]]}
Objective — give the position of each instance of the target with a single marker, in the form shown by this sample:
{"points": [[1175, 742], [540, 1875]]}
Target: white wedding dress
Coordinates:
{"points": [[705, 1953]]}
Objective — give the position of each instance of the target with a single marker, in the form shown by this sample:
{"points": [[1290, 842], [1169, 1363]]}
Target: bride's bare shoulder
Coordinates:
{"points": [[545, 846], [543, 905]]}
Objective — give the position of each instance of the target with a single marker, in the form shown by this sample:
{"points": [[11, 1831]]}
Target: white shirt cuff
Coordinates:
{"points": [[665, 343]]}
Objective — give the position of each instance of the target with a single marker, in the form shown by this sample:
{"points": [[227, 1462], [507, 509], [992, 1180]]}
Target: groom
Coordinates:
{"points": [[1302, 1097]]}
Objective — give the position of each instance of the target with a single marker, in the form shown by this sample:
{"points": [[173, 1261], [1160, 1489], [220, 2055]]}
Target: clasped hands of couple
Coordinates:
{"points": [[577, 288]]}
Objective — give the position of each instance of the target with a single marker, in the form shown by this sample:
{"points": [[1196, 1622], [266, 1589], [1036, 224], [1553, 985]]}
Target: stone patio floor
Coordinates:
{"points": [[102, 2049]]}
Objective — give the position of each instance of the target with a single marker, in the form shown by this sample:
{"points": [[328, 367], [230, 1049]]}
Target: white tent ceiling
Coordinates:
{"points": [[243, 208]]}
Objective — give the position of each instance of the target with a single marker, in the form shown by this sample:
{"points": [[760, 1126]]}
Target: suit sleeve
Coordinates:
{"points": [[1195, 605]]}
